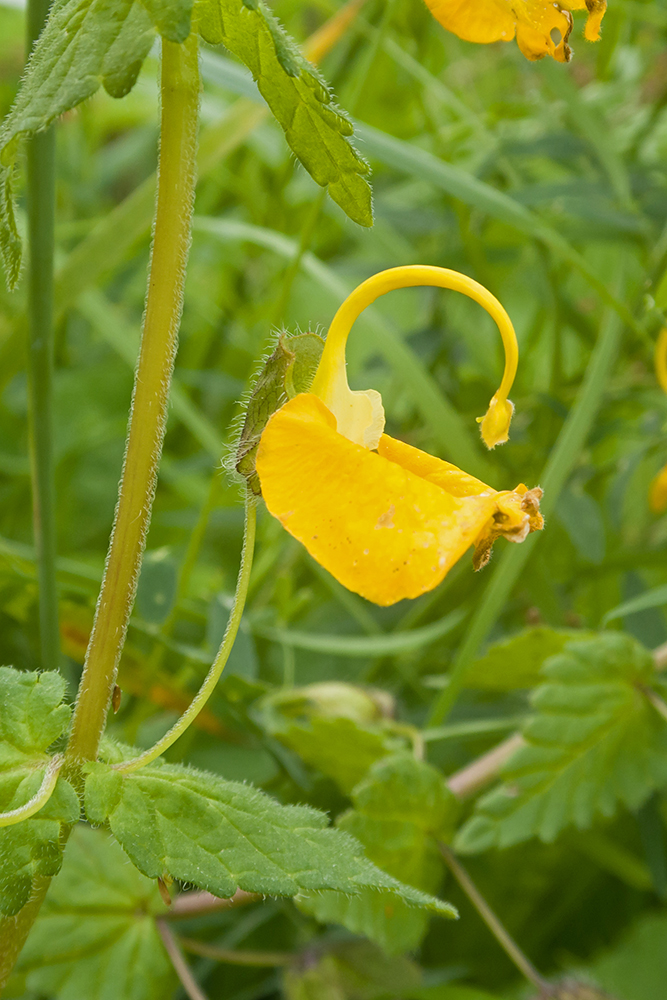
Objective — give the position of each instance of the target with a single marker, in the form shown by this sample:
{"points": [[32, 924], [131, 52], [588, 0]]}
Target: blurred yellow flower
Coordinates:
{"points": [[385, 519], [541, 27], [658, 491]]}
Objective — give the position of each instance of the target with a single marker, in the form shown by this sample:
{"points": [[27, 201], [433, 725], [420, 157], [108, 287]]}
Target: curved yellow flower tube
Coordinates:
{"points": [[359, 415], [385, 519], [541, 27], [658, 491]]}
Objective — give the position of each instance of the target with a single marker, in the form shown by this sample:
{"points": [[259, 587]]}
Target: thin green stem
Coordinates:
{"points": [[218, 665], [40, 191], [180, 87], [506, 942], [39, 799], [232, 957], [561, 461]]}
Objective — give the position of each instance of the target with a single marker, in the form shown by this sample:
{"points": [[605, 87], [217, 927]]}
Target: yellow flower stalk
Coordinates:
{"points": [[658, 491], [386, 520], [541, 27]]}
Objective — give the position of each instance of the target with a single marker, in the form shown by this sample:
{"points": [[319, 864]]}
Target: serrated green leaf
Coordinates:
{"points": [[515, 663], [354, 971], [400, 811], [594, 741], [95, 936], [316, 130], [220, 836], [32, 718], [288, 371], [85, 43]]}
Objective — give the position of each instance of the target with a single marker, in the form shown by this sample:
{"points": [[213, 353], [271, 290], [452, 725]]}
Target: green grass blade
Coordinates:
{"points": [[366, 645]]}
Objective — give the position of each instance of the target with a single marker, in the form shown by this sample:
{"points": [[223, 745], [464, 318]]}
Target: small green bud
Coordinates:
{"points": [[287, 372]]}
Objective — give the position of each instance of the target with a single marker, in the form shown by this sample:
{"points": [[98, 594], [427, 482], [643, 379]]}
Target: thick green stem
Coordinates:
{"points": [[40, 191], [171, 241], [561, 461]]}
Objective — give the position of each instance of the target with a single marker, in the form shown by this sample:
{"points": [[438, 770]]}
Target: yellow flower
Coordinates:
{"points": [[385, 519], [541, 27], [658, 491]]}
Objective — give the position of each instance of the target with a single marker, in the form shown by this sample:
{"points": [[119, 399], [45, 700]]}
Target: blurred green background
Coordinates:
{"points": [[583, 147]]}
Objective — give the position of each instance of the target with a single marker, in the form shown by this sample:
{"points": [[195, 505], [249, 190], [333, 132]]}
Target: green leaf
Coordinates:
{"points": [[95, 936], [85, 43], [594, 741], [342, 749], [515, 663], [316, 130], [354, 971], [400, 811], [288, 371], [32, 718], [171, 17], [220, 836], [636, 968]]}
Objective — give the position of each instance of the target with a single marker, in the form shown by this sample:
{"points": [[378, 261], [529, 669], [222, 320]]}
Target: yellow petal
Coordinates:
{"points": [[443, 474], [379, 529], [542, 27], [475, 20], [515, 514], [658, 492]]}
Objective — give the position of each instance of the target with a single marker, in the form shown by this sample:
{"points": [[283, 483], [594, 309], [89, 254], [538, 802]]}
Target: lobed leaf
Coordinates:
{"points": [[515, 663], [400, 811], [32, 718], [594, 741], [95, 936], [316, 130], [221, 835]]}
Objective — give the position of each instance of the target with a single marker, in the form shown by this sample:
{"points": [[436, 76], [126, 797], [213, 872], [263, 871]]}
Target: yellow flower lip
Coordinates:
{"points": [[541, 27], [359, 415], [390, 524]]}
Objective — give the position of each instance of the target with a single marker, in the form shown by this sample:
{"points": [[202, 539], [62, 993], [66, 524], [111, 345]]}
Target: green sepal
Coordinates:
{"points": [[288, 371]]}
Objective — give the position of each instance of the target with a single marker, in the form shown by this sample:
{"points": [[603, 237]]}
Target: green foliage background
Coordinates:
{"points": [[542, 182]]}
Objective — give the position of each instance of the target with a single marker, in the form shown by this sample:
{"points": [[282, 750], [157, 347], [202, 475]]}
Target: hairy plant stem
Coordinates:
{"points": [[218, 665], [180, 88], [171, 242], [506, 942], [40, 191], [561, 461]]}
